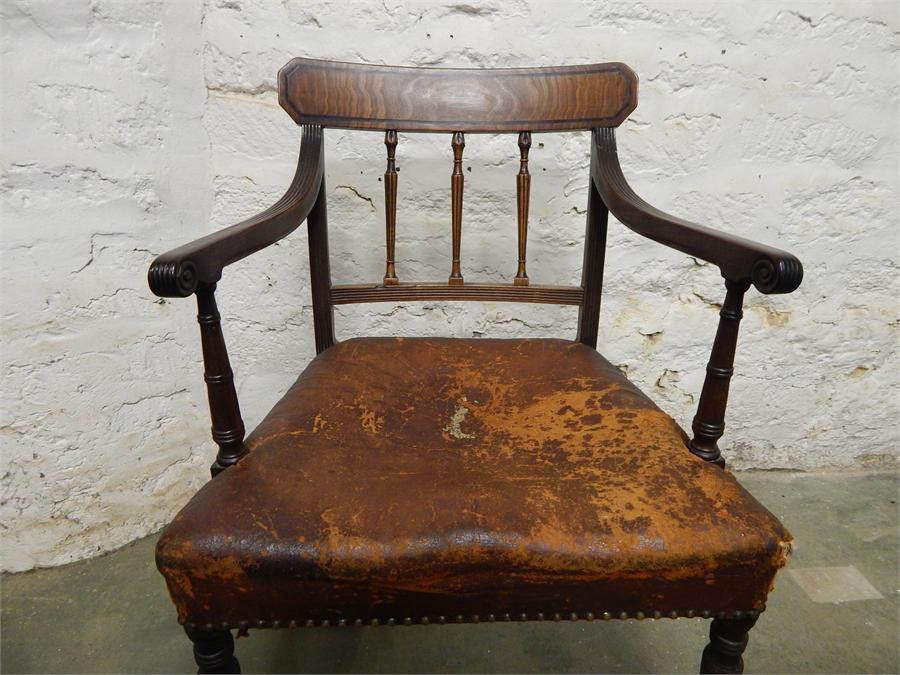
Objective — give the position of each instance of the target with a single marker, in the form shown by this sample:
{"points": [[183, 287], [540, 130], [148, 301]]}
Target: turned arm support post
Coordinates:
{"points": [[224, 410], [196, 267], [741, 261], [709, 422]]}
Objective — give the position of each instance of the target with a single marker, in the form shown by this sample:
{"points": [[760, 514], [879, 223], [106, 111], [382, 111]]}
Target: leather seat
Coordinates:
{"points": [[430, 478]]}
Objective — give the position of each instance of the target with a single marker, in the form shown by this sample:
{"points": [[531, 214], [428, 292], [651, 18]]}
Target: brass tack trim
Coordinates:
{"points": [[243, 626]]}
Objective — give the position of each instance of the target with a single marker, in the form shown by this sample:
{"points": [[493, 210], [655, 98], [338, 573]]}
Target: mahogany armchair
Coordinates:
{"points": [[433, 480]]}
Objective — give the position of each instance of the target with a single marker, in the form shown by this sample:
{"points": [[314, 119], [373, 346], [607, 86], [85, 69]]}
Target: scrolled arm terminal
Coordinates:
{"points": [[769, 269], [181, 271]]}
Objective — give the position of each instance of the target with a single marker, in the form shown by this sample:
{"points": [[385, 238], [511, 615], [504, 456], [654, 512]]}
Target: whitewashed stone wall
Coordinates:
{"points": [[129, 127]]}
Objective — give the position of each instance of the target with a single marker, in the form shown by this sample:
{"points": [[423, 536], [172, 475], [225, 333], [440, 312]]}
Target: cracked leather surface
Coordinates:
{"points": [[423, 477]]}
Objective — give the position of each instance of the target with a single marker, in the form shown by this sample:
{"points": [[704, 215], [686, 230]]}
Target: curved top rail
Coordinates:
{"points": [[358, 96]]}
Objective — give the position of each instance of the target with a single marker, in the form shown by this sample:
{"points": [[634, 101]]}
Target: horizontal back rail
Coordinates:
{"points": [[552, 295], [358, 96]]}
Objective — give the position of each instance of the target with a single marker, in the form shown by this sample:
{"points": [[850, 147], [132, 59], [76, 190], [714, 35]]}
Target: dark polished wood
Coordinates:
{"points": [[768, 269], [457, 182], [553, 295], [390, 205], [593, 265], [183, 270], [214, 651], [728, 639], [523, 195], [227, 424], [320, 271], [358, 96], [709, 422], [458, 101]]}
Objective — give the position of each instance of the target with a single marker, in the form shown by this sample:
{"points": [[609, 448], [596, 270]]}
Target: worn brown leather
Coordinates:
{"points": [[405, 477]]}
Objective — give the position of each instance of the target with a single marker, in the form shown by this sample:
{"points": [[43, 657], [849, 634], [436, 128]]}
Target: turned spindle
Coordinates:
{"points": [[390, 206], [728, 639], [709, 422], [523, 190], [456, 200], [213, 651], [227, 425]]}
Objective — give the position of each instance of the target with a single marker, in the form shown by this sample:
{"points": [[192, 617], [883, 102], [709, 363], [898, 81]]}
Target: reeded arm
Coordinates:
{"points": [[769, 269], [181, 271]]}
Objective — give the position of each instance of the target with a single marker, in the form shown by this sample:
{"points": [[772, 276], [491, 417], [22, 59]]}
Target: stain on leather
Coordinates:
{"points": [[416, 477]]}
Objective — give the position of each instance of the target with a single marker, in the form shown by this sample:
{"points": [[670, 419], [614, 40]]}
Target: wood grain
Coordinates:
{"points": [[457, 182], [553, 295], [390, 205], [523, 195], [358, 96]]}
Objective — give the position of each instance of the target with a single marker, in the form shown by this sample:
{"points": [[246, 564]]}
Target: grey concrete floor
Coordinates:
{"points": [[112, 615]]}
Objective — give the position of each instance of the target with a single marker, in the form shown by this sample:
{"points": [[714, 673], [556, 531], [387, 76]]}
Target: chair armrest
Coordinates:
{"points": [[769, 269], [181, 271]]}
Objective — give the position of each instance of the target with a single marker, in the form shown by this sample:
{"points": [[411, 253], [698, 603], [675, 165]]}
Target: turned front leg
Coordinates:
{"points": [[214, 651], [727, 641]]}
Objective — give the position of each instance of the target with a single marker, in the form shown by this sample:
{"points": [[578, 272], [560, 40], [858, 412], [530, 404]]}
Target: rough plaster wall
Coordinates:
{"points": [[131, 127]]}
